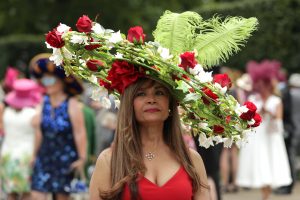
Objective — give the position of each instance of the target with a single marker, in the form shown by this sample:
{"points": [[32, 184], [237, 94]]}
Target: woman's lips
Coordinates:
{"points": [[152, 110]]}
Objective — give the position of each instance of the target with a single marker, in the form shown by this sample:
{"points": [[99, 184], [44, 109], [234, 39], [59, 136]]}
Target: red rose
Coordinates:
{"points": [[257, 119], [228, 119], [122, 74], [91, 47], [53, 38], [192, 90], [84, 24], [105, 84], [218, 129], [136, 35], [223, 80], [251, 111], [210, 94], [94, 65], [188, 60]]}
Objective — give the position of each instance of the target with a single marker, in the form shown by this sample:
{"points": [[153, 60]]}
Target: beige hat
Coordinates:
{"points": [[245, 82], [294, 80]]}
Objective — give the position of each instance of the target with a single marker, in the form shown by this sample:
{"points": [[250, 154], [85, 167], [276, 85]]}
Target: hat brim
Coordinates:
{"points": [[20, 102], [38, 69]]}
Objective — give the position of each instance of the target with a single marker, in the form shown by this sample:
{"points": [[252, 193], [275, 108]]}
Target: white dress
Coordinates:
{"points": [[263, 160], [17, 150]]}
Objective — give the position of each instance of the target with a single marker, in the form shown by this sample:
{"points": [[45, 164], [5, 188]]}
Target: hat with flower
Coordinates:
{"points": [[185, 47], [40, 64]]}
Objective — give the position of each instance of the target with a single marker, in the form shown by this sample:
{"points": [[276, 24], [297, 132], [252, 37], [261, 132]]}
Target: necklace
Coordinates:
{"points": [[150, 156]]}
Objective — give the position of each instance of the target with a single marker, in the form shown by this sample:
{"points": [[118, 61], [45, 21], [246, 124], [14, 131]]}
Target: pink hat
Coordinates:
{"points": [[25, 93], [10, 76]]}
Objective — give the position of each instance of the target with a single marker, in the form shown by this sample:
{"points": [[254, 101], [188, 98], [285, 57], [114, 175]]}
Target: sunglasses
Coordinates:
{"points": [[48, 81]]}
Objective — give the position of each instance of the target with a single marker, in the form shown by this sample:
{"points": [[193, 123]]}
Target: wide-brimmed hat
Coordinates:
{"points": [[264, 70], [244, 82], [40, 64], [178, 58], [294, 80], [25, 93]]}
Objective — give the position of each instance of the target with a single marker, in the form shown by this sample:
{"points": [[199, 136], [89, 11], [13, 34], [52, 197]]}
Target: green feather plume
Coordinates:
{"points": [[177, 31], [213, 39]]}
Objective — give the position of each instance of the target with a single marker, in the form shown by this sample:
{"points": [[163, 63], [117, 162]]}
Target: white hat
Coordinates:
{"points": [[245, 82], [294, 80]]}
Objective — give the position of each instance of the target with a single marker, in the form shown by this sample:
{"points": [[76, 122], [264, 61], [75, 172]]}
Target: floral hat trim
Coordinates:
{"points": [[112, 61]]}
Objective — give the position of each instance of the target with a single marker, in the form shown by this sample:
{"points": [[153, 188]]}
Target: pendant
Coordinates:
{"points": [[150, 156]]}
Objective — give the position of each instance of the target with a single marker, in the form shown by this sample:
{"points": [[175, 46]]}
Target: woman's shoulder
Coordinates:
{"points": [[196, 158]]}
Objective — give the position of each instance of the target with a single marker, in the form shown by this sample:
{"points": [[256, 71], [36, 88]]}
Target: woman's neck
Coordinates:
{"points": [[57, 98], [152, 136]]}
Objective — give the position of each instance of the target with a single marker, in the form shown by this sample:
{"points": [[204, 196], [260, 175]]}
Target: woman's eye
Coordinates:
{"points": [[160, 92], [140, 94]]}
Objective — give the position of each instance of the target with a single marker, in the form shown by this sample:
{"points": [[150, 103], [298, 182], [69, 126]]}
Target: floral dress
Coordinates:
{"points": [[51, 172], [17, 150]]}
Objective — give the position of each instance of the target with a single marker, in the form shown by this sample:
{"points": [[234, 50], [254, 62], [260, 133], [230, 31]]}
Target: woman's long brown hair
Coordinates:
{"points": [[127, 159]]}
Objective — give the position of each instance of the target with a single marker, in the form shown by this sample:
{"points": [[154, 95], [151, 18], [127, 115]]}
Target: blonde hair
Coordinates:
{"points": [[127, 159]]}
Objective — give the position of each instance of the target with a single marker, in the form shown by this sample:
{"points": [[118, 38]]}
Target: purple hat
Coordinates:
{"points": [[25, 93], [266, 70]]}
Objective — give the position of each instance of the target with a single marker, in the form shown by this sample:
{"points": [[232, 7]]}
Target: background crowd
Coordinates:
{"points": [[228, 169]]}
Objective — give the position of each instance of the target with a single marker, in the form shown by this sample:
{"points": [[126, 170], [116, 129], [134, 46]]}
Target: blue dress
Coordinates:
{"points": [[51, 172]]}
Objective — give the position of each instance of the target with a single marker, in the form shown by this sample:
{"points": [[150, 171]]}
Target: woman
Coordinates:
{"points": [[263, 162], [149, 158], [60, 145], [16, 122]]}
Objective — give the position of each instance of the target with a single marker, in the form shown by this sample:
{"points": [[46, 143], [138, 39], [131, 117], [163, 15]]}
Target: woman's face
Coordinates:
{"points": [[52, 84], [151, 103]]}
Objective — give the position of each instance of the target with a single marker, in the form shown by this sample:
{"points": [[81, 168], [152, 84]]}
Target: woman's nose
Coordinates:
{"points": [[151, 99]]}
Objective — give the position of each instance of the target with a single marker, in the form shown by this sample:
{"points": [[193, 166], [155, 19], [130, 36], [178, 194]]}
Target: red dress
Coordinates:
{"points": [[179, 187]]}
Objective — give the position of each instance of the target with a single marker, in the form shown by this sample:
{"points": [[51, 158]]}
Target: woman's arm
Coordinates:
{"points": [[79, 131], [203, 191], [1, 117], [36, 123], [101, 180]]}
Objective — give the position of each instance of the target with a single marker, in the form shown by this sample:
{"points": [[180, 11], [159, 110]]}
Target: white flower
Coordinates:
{"points": [[105, 102], [62, 28], [97, 28], [115, 37], [164, 53], [218, 139], [117, 103], [222, 89], [56, 57], [202, 125], [251, 122], [204, 77], [79, 39], [228, 142], [93, 79], [119, 55], [204, 141], [196, 70], [48, 45], [241, 109]]}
